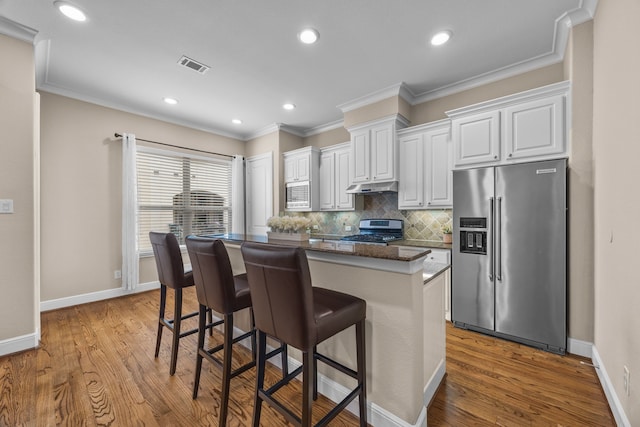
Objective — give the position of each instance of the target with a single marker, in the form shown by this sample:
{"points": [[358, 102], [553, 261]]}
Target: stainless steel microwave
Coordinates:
{"points": [[298, 195]]}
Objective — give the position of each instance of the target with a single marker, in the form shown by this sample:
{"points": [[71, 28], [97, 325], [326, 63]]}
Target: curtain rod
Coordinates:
{"points": [[117, 135]]}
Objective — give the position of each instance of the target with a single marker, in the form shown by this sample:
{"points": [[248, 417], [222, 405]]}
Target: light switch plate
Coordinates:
{"points": [[6, 206]]}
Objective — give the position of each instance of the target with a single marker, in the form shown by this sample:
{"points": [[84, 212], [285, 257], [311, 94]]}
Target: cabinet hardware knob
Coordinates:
{"points": [[495, 157], [510, 154]]}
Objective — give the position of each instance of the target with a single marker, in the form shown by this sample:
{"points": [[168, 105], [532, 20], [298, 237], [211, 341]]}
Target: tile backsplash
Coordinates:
{"points": [[418, 225]]}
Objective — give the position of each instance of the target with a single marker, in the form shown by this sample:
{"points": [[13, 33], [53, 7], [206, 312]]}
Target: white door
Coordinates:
{"points": [[259, 193]]}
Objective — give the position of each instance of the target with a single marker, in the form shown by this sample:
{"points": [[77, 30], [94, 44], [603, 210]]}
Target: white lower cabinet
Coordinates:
{"points": [[442, 257], [335, 177], [426, 162]]}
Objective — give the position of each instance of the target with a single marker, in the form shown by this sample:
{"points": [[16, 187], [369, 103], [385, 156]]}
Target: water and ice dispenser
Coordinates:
{"points": [[473, 236]]}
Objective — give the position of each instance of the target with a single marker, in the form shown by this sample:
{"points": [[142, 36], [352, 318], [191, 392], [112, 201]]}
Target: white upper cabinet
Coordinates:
{"points": [[335, 177], [527, 126], [327, 181], [535, 128], [426, 164], [344, 200], [374, 150], [412, 174], [297, 164], [439, 164], [477, 138]]}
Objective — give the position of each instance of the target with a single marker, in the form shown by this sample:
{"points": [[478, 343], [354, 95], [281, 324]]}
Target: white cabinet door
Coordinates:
{"points": [[361, 156], [535, 128], [477, 138], [327, 181], [411, 173], [303, 168], [344, 200], [382, 153], [297, 167], [439, 163], [290, 172]]}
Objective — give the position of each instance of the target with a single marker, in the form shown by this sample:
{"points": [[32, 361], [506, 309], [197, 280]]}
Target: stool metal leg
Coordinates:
{"points": [[163, 303], [314, 360], [308, 387], [257, 402], [201, 333], [177, 320], [226, 367], [362, 371]]}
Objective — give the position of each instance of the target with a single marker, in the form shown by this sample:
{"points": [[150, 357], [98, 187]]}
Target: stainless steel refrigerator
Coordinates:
{"points": [[510, 252]]}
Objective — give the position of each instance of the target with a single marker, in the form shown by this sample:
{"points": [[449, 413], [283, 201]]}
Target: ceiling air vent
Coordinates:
{"points": [[194, 65]]}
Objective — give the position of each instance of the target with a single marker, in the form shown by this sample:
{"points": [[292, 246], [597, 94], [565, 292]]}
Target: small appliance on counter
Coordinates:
{"points": [[378, 231]]}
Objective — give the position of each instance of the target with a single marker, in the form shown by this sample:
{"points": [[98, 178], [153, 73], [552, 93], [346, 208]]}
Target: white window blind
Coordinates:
{"points": [[181, 194]]}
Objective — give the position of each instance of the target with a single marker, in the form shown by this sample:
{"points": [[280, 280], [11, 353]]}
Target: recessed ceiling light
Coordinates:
{"points": [[288, 106], [236, 121], [308, 36], [441, 38], [170, 101], [70, 11]]}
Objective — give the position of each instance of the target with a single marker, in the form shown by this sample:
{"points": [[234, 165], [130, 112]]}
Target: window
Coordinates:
{"points": [[181, 194]]}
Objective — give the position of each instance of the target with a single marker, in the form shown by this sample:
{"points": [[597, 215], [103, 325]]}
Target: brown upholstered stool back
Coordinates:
{"points": [[214, 277], [282, 294], [169, 260]]}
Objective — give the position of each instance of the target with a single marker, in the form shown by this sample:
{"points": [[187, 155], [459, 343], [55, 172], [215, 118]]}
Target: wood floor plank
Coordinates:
{"points": [[96, 367]]}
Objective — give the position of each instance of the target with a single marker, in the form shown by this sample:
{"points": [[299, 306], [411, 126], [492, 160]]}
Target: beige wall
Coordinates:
{"points": [[19, 309], [325, 139], [579, 69], [81, 191], [377, 110], [616, 150]]}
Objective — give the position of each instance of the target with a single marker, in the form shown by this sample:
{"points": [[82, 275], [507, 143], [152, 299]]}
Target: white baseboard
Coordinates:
{"points": [[95, 296], [21, 343], [376, 415], [581, 348], [614, 403]]}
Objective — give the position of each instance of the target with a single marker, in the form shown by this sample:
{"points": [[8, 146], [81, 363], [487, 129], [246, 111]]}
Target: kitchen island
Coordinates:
{"points": [[405, 335]]}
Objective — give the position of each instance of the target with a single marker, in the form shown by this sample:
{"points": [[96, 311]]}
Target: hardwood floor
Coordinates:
{"points": [[95, 367], [496, 382]]}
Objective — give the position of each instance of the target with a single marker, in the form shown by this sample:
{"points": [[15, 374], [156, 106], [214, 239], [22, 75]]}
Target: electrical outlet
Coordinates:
{"points": [[117, 274], [627, 381], [347, 228], [316, 226]]}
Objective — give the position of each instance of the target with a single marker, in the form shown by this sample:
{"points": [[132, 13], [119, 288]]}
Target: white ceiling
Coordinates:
{"points": [[125, 55]]}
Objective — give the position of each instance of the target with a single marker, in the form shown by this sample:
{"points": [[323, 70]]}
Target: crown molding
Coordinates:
{"points": [[17, 31], [56, 90], [324, 128], [398, 89]]}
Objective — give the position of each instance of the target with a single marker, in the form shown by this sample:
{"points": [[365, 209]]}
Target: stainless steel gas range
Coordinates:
{"points": [[378, 231]]}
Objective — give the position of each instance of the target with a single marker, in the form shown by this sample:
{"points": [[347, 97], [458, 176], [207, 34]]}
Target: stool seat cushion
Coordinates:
{"points": [[243, 295], [335, 311]]}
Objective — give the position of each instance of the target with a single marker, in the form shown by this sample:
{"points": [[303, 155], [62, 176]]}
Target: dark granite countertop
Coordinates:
{"points": [[431, 244], [331, 244], [433, 270]]}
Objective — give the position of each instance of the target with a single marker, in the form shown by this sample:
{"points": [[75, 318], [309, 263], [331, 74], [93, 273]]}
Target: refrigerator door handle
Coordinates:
{"points": [[492, 260], [498, 241]]}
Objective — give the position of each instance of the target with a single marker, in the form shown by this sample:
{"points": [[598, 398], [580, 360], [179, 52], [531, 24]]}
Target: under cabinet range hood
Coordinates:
{"points": [[373, 187]]}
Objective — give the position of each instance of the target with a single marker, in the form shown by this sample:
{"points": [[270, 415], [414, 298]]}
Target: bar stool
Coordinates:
{"points": [[218, 289], [287, 307], [171, 274]]}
